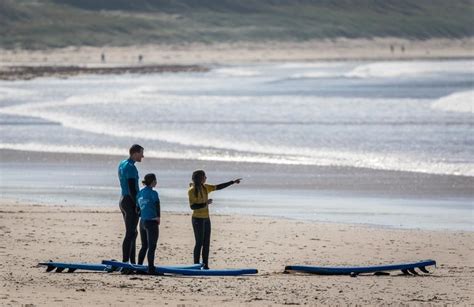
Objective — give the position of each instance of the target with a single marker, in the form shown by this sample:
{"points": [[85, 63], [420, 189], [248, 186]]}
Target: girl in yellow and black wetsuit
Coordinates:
{"points": [[199, 201]]}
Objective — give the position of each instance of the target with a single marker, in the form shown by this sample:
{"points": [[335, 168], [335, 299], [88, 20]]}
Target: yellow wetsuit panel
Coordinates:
{"points": [[200, 199]]}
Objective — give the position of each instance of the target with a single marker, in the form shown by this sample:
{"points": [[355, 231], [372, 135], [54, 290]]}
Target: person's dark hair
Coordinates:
{"points": [[198, 181], [149, 178], [135, 148]]}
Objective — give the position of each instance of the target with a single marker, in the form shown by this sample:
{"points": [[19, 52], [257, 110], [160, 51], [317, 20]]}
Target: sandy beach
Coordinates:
{"points": [[33, 233], [241, 52], [13, 62], [59, 202]]}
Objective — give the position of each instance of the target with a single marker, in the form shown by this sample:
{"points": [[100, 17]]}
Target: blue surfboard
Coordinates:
{"points": [[71, 266], [182, 271], [406, 268], [117, 264]]}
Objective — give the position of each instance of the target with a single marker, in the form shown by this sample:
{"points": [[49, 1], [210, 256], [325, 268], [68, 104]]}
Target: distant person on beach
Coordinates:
{"points": [[199, 201], [149, 204], [128, 177], [102, 58]]}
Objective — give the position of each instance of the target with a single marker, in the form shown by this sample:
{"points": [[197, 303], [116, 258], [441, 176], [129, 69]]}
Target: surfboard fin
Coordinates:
{"points": [[413, 271], [110, 269], [405, 272], [424, 270], [71, 270], [50, 268], [59, 270]]}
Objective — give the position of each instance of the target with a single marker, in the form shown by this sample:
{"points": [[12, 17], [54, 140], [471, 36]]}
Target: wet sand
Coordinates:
{"points": [[31, 72], [175, 173], [33, 233], [313, 193]]}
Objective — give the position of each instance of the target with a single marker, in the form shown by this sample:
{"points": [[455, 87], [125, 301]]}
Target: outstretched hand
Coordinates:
{"points": [[237, 180]]}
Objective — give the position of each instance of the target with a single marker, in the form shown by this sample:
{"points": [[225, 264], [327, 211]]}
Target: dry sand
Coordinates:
{"points": [[32, 233], [227, 53], [63, 62]]}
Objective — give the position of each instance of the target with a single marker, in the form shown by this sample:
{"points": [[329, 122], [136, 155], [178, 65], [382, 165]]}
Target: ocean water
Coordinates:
{"points": [[409, 116], [415, 116]]}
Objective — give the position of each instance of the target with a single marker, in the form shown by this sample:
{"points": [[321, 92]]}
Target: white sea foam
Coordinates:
{"points": [[53, 148], [321, 158], [7, 93], [304, 65], [400, 69], [315, 75], [457, 102], [264, 127], [237, 72], [75, 149], [208, 146], [62, 112]]}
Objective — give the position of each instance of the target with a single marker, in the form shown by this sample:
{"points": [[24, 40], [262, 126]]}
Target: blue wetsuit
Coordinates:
{"points": [[128, 177], [149, 203]]}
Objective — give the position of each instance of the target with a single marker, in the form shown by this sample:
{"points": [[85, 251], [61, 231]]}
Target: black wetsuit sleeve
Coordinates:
{"points": [[221, 186], [132, 189], [158, 208], [198, 206]]}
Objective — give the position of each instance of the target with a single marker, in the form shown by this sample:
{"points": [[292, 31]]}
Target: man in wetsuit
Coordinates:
{"points": [[128, 177]]}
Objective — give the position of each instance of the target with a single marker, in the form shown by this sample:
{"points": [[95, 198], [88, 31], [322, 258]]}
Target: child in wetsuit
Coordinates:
{"points": [[199, 201], [149, 203]]}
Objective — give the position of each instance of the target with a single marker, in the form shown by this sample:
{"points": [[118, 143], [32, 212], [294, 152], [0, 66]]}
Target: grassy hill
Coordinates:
{"points": [[37, 24]]}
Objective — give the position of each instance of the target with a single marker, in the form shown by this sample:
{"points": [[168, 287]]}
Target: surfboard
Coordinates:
{"points": [[406, 268], [71, 266], [115, 265], [182, 271]]}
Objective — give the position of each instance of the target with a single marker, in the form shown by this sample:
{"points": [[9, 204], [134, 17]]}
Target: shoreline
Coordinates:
{"points": [[266, 244], [389, 199], [80, 208], [461, 183], [12, 73], [28, 71], [205, 56]]}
